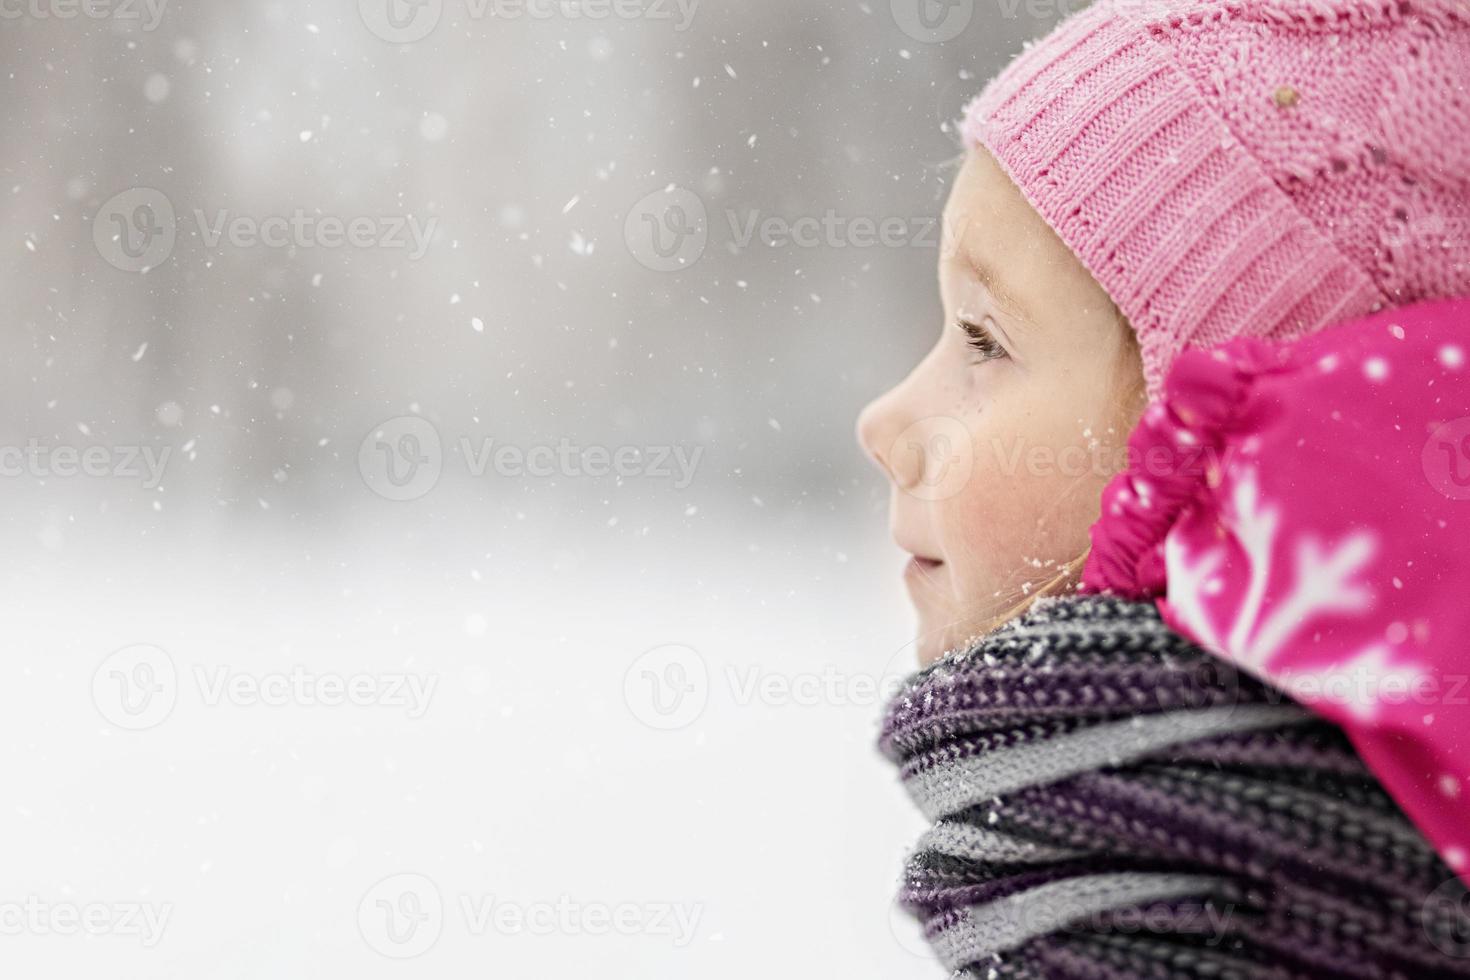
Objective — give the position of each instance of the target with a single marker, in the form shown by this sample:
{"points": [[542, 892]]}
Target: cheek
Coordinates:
{"points": [[1034, 490]]}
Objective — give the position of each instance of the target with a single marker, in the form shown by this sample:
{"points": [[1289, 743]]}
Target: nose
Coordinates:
{"points": [[879, 425]]}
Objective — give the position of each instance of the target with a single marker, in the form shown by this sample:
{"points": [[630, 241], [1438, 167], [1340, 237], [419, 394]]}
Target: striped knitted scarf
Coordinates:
{"points": [[1110, 801]]}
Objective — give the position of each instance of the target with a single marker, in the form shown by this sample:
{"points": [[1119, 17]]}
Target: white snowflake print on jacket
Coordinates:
{"points": [[1318, 581]]}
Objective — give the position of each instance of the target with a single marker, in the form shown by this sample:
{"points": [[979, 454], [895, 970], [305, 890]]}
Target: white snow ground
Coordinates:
{"points": [[560, 831]]}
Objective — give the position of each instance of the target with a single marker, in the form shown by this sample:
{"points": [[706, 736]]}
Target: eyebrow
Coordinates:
{"points": [[994, 285], [985, 272]]}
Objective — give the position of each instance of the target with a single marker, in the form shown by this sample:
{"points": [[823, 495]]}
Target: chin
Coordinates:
{"points": [[937, 635], [933, 641], [928, 648]]}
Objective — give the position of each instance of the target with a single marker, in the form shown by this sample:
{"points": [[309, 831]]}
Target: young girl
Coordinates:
{"points": [[1240, 231]]}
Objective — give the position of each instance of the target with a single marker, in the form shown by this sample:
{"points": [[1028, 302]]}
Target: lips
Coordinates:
{"points": [[917, 553], [922, 571]]}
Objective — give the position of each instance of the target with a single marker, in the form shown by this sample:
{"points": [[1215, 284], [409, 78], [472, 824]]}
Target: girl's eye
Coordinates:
{"points": [[981, 341]]}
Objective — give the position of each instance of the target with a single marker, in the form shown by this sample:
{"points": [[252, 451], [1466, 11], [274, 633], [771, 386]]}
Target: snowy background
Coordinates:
{"points": [[242, 477]]}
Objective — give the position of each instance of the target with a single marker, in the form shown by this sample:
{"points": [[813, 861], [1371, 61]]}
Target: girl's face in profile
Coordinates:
{"points": [[999, 442]]}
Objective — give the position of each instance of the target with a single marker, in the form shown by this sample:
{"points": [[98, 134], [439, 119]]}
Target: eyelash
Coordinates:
{"points": [[981, 341]]}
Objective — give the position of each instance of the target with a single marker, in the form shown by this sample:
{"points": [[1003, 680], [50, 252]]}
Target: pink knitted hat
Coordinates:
{"points": [[1245, 167]]}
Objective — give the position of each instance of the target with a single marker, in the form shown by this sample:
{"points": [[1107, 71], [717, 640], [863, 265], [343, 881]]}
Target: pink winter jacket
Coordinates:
{"points": [[1303, 510]]}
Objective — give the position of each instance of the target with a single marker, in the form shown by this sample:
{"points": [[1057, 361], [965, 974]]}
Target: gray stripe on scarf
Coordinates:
{"points": [[964, 840], [984, 930], [947, 788]]}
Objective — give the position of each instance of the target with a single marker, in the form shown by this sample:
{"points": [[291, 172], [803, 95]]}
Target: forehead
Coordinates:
{"points": [[991, 232], [986, 211]]}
